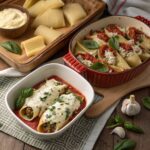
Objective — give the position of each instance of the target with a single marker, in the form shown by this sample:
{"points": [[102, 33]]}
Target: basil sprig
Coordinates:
{"points": [[125, 144], [12, 47], [134, 128], [27, 92], [113, 42], [115, 121], [99, 67], [146, 102], [90, 44]]}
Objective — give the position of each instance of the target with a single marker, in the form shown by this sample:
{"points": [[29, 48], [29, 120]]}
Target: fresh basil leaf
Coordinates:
{"points": [[12, 47], [115, 121], [90, 44], [27, 92], [99, 67], [146, 102], [134, 128], [125, 144], [118, 119], [113, 42]]}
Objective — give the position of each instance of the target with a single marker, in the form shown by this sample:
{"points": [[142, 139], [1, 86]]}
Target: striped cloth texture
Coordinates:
{"points": [[129, 7], [81, 136]]}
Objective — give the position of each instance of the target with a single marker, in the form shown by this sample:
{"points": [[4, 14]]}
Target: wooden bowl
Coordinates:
{"points": [[15, 32]]}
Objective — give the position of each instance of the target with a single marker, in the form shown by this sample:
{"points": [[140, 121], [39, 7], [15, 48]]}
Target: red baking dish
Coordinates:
{"points": [[106, 79]]}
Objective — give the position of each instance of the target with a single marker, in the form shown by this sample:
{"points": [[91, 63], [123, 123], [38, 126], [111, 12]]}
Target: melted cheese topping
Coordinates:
{"points": [[110, 58], [60, 111], [45, 95]]}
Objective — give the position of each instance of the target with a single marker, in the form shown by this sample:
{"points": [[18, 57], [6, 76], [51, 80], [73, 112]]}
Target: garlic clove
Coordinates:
{"points": [[119, 131]]}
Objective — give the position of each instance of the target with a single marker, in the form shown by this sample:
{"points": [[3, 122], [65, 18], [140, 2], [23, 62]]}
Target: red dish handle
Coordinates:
{"points": [[73, 63], [144, 20]]}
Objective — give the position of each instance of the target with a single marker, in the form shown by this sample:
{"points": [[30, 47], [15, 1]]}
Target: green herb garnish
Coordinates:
{"points": [[125, 144], [99, 67], [90, 44], [146, 102], [113, 42], [134, 128], [115, 121], [12, 47], [67, 113], [27, 92]]}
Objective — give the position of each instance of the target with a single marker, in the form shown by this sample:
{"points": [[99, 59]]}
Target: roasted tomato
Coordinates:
{"points": [[102, 35], [115, 29]]}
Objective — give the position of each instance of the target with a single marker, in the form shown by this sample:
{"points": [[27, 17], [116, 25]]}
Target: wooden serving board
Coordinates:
{"points": [[23, 63], [112, 95]]}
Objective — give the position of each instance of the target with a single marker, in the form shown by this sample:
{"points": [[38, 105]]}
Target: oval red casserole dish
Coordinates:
{"points": [[100, 79]]}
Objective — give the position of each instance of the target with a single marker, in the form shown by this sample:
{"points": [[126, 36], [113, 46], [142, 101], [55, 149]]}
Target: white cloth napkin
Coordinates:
{"points": [[129, 7], [12, 72]]}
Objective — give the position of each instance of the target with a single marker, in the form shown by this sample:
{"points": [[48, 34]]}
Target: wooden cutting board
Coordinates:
{"points": [[112, 95]]}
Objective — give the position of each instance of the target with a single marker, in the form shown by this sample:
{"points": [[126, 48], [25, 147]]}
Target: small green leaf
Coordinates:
{"points": [[27, 92], [146, 102], [134, 128], [67, 113], [115, 121], [90, 44], [12, 47], [113, 42], [99, 67], [125, 144]]}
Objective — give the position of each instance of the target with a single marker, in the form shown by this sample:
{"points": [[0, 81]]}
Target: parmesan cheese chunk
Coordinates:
{"points": [[33, 46]]}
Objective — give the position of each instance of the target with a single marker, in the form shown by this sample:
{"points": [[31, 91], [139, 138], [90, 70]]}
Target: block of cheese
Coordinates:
{"points": [[28, 3], [49, 34], [51, 18], [33, 46], [74, 12], [42, 5]]}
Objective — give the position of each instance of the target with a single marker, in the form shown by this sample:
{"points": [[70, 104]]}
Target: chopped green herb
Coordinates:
{"points": [[90, 44], [99, 67], [43, 98], [27, 92], [48, 116], [113, 42], [146, 102], [12, 47], [67, 113]]}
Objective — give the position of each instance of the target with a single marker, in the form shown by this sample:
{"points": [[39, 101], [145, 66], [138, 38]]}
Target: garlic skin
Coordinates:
{"points": [[119, 131], [130, 106]]}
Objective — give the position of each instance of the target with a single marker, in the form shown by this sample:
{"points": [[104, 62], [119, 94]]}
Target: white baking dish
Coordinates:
{"points": [[40, 74]]}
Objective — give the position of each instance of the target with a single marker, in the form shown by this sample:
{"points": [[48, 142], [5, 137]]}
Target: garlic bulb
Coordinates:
{"points": [[130, 106], [119, 131]]}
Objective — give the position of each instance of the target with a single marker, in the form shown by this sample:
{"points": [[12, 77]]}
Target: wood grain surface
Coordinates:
{"points": [[111, 95]]}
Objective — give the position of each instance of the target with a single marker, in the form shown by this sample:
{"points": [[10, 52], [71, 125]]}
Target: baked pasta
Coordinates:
{"points": [[114, 48]]}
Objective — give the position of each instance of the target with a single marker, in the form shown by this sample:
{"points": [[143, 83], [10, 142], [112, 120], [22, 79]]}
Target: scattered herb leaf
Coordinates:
{"points": [[113, 42], [27, 92], [134, 128], [125, 144], [99, 67], [12, 47], [146, 102], [90, 44], [67, 113], [115, 121]]}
